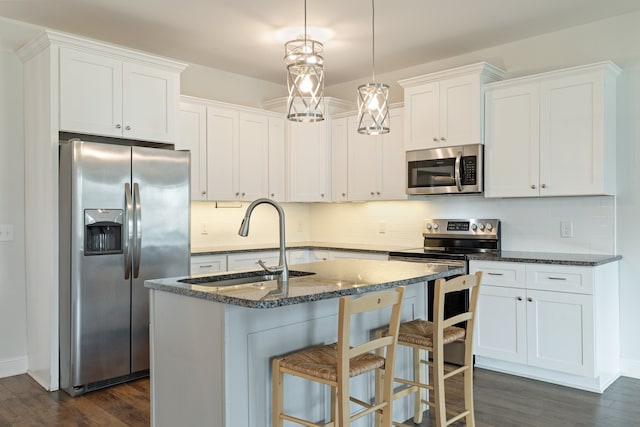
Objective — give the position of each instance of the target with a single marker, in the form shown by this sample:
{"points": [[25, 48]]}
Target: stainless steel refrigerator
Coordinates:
{"points": [[124, 218]]}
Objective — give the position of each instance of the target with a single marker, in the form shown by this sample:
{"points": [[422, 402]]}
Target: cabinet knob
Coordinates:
{"points": [[204, 193], [529, 299], [533, 186], [322, 195], [242, 194], [118, 126], [237, 194], [519, 298], [377, 193], [443, 139], [372, 193], [543, 186], [344, 194], [127, 128], [435, 139], [273, 194]]}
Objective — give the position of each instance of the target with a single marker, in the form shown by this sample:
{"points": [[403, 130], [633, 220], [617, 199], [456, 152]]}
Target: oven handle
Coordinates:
{"points": [[457, 171]]}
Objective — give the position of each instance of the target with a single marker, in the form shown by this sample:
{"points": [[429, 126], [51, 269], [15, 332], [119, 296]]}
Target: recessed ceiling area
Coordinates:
{"points": [[240, 36]]}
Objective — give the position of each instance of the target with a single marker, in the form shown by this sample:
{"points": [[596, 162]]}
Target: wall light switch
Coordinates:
{"points": [[566, 229], [6, 232]]}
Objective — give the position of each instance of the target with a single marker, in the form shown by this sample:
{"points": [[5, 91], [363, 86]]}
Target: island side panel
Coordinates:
{"points": [[254, 336], [187, 361]]}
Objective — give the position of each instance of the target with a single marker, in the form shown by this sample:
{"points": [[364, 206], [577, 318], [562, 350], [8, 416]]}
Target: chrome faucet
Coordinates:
{"points": [[282, 270]]}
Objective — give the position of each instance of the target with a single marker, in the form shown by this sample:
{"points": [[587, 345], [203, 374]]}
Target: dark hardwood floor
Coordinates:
{"points": [[501, 401]]}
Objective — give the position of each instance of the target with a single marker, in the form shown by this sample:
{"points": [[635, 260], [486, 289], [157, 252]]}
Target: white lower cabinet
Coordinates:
{"points": [[203, 264], [556, 323]]}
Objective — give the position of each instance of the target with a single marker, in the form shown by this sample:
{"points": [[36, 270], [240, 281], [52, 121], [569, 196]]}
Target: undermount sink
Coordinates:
{"points": [[239, 278]]}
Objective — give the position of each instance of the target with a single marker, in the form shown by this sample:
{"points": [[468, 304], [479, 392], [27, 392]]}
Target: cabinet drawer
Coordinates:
{"points": [[510, 274], [560, 278], [204, 264]]}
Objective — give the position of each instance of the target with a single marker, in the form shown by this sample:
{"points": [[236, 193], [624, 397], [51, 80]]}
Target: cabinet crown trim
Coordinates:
{"points": [[50, 38], [488, 71], [608, 67]]}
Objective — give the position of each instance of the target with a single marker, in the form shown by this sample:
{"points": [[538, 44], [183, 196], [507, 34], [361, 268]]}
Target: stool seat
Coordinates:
{"points": [[420, 332], [322, 362]]}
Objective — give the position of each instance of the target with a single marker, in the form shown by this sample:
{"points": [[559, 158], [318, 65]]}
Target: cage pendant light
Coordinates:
{"points": [[373, 98], [305, 77]]}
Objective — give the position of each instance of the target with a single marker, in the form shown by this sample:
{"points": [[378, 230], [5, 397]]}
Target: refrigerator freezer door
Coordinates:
{"points": [[100, 294], [160, 179]]}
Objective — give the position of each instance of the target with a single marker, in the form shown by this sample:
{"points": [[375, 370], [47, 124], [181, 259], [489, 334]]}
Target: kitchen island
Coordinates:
{"points": [[211, 345]]}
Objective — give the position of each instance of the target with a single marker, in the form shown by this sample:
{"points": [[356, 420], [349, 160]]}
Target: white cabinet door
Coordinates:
{"points": [[512, 141], [203, 264], [339, 160], [460, 111], [560, 332], [192, 136], [222, 143], [364, 163], [422, 124], [102, 95], [90, 93], [277, 156], [501, 318], [308, 159], [393, 173], [252, 160], [572, 136], [150, 102]]}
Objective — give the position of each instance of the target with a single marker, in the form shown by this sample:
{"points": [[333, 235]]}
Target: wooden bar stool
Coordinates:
{"points": [[335, 364], [422, 335]]}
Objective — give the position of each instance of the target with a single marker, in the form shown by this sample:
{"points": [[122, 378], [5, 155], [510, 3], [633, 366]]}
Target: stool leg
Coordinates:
{"points": [[418, 377], [438, 387], [468, 397], [277, 394]]}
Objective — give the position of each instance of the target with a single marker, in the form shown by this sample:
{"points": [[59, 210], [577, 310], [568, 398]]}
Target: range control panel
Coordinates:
{"points": [[465, 227]]}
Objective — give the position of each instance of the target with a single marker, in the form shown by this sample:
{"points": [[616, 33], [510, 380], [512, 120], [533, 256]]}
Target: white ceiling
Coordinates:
{"points": [[239, 35]]}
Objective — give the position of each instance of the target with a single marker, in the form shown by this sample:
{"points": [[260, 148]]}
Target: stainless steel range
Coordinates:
{"points": [[450, 241]]}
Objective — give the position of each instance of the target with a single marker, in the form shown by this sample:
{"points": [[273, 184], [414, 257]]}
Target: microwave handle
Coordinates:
{"points": [[457, 171]]}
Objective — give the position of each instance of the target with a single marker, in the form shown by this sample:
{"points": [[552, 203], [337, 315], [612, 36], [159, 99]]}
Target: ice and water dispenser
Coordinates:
{"points": [[103, 231]]}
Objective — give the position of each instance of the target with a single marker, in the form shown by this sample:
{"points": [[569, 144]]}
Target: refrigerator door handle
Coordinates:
{"points": [[137, 230], [128, 230]]}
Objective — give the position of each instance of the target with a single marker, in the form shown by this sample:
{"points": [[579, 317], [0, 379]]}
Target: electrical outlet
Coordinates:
{"points": [[6, 232], [566, 229], [204, 228]]}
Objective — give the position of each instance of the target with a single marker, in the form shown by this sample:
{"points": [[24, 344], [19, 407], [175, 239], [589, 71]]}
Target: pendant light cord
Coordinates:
{"points": [[373, 40]]}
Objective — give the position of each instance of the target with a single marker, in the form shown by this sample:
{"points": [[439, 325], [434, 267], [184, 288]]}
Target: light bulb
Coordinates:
{"points": [[373, 104], [306, 85]]}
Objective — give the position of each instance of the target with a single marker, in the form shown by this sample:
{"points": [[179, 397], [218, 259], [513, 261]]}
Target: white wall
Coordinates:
{"points": [[222, 224], [13, 335]]}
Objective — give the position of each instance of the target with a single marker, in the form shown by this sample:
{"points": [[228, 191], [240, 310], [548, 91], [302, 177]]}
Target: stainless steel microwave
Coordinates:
{"points": [[448, 170]]}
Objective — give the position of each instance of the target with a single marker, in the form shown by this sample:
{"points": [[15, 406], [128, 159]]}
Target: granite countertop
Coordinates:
{"points": [[590, 260], [331, 279]]}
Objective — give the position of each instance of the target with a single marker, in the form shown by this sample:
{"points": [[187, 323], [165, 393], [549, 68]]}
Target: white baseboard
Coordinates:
{"points": [[11, 367], [630, 368]]}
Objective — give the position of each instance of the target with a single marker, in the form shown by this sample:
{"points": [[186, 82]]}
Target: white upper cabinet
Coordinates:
{"points": [[308, 162], [446, 108], [106, 95], [339, 160], [236, 153], [277, 156], [552, 134], [376, 164], [192, 136]]}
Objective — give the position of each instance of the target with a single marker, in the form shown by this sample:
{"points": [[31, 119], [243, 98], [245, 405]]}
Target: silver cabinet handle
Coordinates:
{"points": [[530, 299], [556, 278], [519, 298], [206, 266], [127, 128], [118, 126], [495, 274]]}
